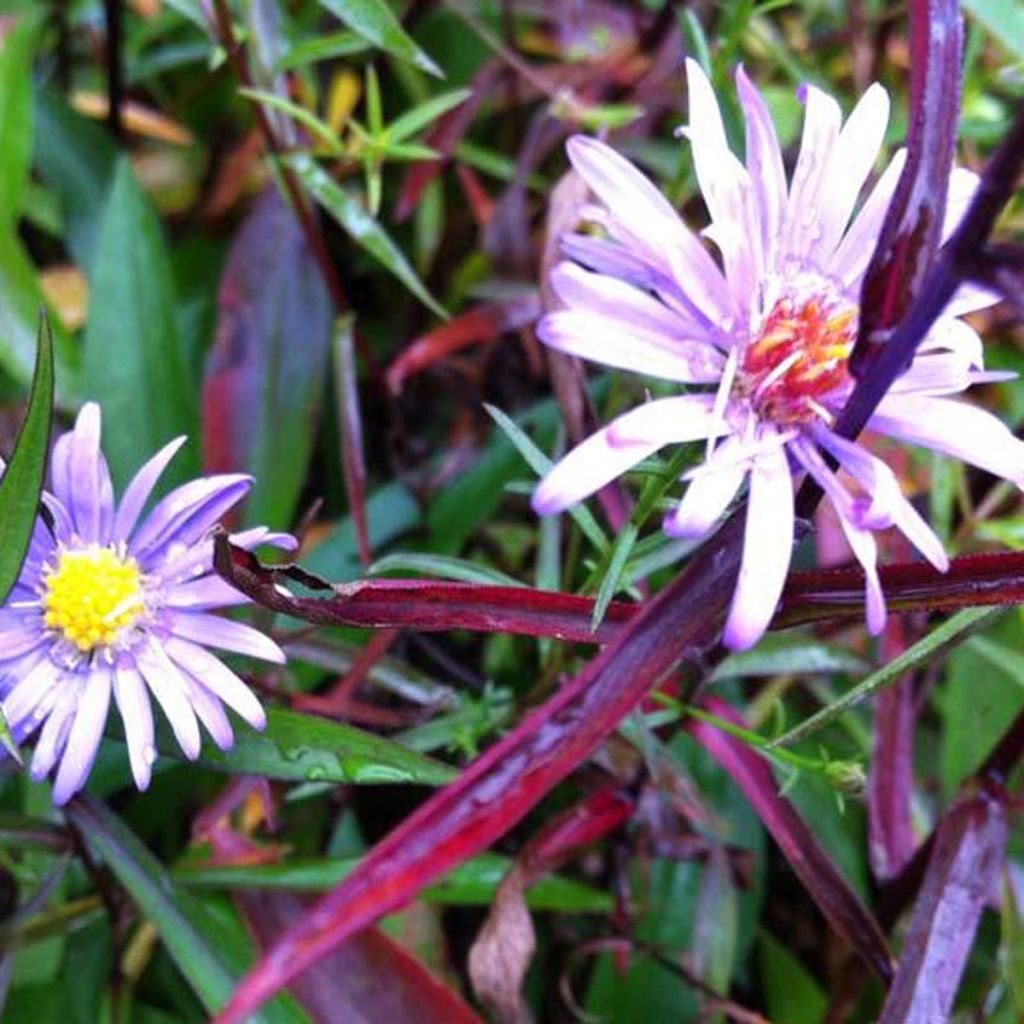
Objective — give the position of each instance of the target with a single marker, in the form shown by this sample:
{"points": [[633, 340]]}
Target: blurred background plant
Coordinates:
{"points": [[312, 236]]}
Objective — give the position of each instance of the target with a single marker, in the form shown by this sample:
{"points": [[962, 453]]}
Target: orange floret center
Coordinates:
{"points": [[798, 358]]}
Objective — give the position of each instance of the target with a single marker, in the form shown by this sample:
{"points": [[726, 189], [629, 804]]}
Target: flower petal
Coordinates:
{"points": [[646, 221], [619, 301], [667, 420], [888, 504], [84, 738], [727, 191], [764, 163], [225, 634], [164, 680], [138, 491], [187, 514], [707, 495], [54, 733], [860, 539], [210, 712], [212, 673], [586, 469], [81, 478], [850, 162], [137, 715], [850, 260], [955, 428], [629, 346], [801, 224], [33, 695], [205, 593], [767, 549]]}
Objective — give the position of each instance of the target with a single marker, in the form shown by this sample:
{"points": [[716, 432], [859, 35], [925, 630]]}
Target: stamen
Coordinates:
{"points": [[92, 596]]}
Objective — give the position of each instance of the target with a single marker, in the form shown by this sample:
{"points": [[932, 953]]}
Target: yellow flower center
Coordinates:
{"points": [[799, 356], [92, 595]]}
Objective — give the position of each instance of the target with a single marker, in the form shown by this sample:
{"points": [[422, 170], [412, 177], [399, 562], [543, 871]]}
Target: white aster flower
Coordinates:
{"points": [[761, 338]]}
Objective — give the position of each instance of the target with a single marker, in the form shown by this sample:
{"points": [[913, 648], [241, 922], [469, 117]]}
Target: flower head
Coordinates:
{"points": [[106, 604], [761, 338]]}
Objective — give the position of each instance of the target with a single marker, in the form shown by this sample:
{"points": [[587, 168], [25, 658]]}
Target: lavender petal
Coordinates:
{"points": [[767, 548], [225, 634], [84, 739], [137, 715]]}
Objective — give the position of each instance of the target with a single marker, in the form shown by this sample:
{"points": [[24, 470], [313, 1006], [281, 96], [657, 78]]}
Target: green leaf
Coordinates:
{"points": [[612, 578], [442, 566], [310, 51], [22, 483], [473, 883], [21, 298], [134, 363], [791, 993], [353, 217], [173, 912], [1004, 19], [540, 464], [789, 654], [75, 158], [18, 49], [422, 115], [373, 20], [298, 113], [981, 694], [950, 634], [306, 748]]}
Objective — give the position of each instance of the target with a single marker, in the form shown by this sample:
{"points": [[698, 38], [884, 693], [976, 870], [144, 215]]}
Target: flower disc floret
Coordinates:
{"points": [[92, 596], [799, 358]]}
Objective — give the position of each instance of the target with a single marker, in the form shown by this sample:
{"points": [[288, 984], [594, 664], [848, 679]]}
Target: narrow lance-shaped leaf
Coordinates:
{"points": [[962, 874], [357, 222], [22, 482], [370, 980], [373, 20], [172, 911], [942, 638], [502, 785], [428, 605]]}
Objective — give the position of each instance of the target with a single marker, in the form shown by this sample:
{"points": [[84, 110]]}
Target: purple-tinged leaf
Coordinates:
{"points": [[971, 582], [962, 873], [265, 374], [912, 229], [350, 429], [425, 605], [826, 884], [431, 605], [890, 783], [371, 979]]}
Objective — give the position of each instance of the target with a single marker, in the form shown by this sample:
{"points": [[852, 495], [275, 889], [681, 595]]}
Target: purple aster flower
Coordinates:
{"points": [[761, 338], [108, 605]]}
